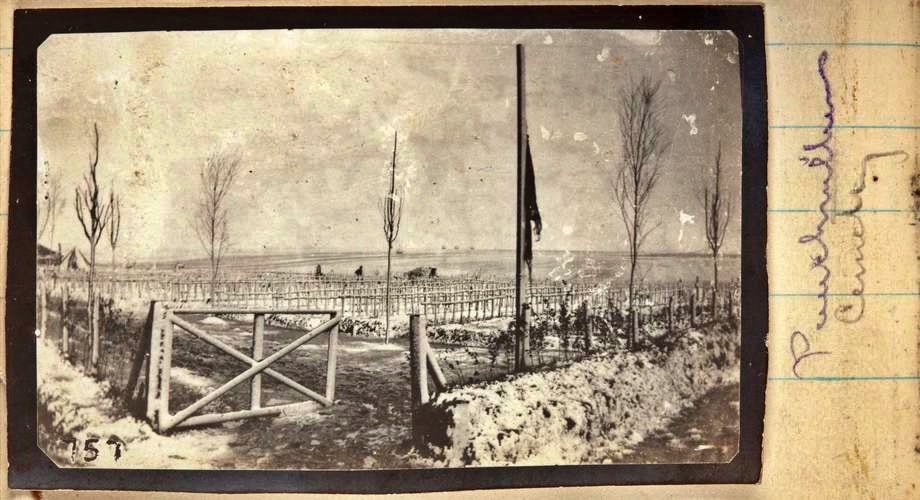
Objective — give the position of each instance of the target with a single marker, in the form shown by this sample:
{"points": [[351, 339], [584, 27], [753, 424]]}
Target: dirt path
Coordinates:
{"points": [[704, 433], [369, 425]]}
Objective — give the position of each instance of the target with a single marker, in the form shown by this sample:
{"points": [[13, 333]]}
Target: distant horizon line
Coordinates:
{"points": [[428, 252]]}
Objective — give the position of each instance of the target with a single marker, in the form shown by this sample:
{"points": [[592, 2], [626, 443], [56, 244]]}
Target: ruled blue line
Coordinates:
{"points": [[840, 210], [913, 45], [846, 378], [885, 127], [842, 294]]}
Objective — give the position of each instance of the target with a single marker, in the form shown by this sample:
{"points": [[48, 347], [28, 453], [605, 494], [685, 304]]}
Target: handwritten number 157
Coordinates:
{"points": [[90, 452]]}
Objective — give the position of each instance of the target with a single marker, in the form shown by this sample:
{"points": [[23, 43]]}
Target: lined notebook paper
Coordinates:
{"points": [[843, 413]]}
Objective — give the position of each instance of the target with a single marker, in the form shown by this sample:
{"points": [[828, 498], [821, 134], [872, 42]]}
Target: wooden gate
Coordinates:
{"points": [[160, 362]]}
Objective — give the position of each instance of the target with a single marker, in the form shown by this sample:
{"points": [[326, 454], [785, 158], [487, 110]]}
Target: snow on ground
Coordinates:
{"points": [[213, 320], [73, 405], [587, 412], [355, 347], [192, 380], [369, 426]]}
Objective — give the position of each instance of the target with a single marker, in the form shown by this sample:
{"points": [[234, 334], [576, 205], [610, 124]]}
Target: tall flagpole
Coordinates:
{"points": [[521, 213]]}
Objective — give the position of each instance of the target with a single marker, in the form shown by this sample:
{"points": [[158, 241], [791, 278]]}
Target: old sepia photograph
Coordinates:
{"points": [[327, 249]]}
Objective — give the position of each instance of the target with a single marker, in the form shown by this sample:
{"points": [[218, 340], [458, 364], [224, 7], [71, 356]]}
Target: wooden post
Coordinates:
{"points": [[715, 311], [331, 362], [65, 335], [418, 372], [635, 324], [731, 309], [258, 335], [693, 309], [527, 318], [589, 328], [521, 217], [166, 367], [680, 303], [670, 309], [94, 327], [440, 381]]}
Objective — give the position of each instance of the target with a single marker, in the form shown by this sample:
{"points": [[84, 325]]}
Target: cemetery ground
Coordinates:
{"points": [[369, 426]]}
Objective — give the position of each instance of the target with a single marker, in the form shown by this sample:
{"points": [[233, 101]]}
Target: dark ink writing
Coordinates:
{"points": [[853, 310], [89, 451], [821, 154], [800, 346]]}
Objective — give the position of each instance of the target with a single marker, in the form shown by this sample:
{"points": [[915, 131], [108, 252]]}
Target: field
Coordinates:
{"points": [[607, 266], [576, 319]]}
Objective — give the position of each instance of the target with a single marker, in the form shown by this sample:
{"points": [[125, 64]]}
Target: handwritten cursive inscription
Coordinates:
{"points": [[800, 347], [854, 308], [821, 154]]}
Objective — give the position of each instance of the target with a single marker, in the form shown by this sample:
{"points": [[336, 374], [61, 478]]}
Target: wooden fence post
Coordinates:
{"points": [[670, 307], [527, 319], [440, 381], [418, 373], [153, 361], [693, 309], [65, 335], [255, 385], [166, 367], [331, 362], [731, 309], [589, 328]]}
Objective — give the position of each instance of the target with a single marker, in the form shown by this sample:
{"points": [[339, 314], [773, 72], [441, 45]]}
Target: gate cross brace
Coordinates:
{"points": [[185, 325], [167, 421]]}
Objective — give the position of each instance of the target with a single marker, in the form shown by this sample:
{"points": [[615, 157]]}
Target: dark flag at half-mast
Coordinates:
{"points": [[531, 210]]}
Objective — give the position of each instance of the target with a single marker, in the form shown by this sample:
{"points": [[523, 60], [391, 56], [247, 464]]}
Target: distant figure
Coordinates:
{"points": [[319, 271], [433, 273], [180, 267], [359, 273]]}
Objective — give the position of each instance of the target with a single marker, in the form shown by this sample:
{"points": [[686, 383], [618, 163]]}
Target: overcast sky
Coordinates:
{"points": [[313, 113]]}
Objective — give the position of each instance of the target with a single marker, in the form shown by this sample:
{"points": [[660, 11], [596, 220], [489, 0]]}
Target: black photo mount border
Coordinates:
{"points": [[30, 468]]}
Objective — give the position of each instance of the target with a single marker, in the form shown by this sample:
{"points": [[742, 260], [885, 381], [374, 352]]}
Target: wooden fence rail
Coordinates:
{"points": [[165, 319], [442, 300]]}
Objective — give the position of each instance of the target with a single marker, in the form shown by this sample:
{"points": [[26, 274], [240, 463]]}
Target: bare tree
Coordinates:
{"points": [[642, 144], [51, 205], [212, 214], [717, 208], [391, 210], [115, 225], [94, 214]]}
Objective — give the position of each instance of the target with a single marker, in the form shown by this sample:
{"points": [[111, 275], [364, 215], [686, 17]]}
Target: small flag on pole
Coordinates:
{"points": [[532, 211]]}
